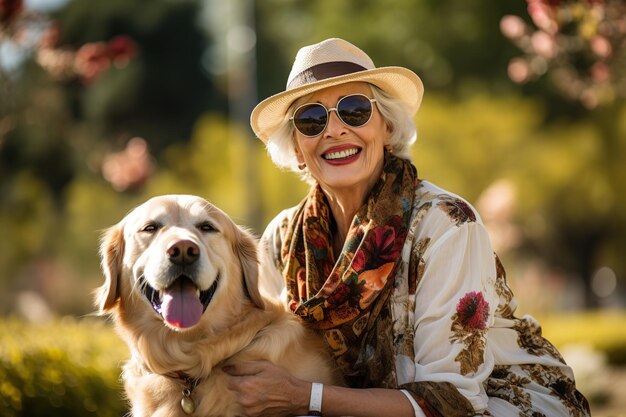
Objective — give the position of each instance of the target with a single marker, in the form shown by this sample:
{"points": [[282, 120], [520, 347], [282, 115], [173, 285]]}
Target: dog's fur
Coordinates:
{"points": [[239, 323]]}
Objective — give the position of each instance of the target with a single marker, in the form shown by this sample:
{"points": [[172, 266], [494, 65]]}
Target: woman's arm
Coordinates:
{"points": [[454, 307], [264, 389]]}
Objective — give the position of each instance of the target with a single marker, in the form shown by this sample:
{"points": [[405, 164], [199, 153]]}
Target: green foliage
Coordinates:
{"points": [[215, 165], [604, 331], [477, 134], [449, 43], [209, 165], [161, 93], [566, 174], [91, 206], [568, 171], [503, 137], [71, 367], [66, 369], [27, 217], [279, 189]]}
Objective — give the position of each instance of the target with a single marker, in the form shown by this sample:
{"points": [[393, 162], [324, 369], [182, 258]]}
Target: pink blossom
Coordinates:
{"points": [[543, 16], [519, 70], [513, 27], [543, 44], [601, 46], [130, 168], [121, 50], [600, 72], [91, 60]]}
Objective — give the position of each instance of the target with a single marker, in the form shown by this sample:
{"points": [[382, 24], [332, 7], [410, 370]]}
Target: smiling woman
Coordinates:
{"points": [[397, 275]]}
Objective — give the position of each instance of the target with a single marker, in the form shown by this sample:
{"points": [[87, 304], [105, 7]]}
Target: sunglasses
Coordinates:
{"points": [[354, 110]]}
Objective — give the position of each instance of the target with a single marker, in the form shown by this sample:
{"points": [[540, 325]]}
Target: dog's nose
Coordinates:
{"points": [[183, 252]]}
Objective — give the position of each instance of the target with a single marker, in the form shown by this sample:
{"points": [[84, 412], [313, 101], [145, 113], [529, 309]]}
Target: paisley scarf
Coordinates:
{"points": [[343, 295], [346, 296]]}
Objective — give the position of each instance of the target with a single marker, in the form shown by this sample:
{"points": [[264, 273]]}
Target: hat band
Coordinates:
{"points": [[322, 72]]}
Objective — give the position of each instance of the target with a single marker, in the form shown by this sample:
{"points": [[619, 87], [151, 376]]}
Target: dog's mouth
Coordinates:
{"points": [[181, 304]]}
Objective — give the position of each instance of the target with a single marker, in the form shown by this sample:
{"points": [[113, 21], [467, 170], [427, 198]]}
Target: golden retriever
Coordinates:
{"points": [[181, 285]]}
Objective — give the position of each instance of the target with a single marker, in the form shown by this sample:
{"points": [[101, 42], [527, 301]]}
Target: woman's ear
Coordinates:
{"points": [[298, 152], [389, 128]]}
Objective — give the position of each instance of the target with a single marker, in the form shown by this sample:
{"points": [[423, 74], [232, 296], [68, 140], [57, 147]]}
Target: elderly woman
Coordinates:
{"points": [[397, 275]]}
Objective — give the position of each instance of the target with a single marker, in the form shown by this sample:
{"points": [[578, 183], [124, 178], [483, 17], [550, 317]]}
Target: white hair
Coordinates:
{"points": [[281, 147]]}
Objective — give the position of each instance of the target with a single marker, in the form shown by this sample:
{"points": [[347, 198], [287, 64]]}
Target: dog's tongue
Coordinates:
{"points": [[181, 306]]}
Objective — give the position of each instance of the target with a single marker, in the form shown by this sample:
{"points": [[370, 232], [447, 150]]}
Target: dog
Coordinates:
{"points": [[181, 283]]}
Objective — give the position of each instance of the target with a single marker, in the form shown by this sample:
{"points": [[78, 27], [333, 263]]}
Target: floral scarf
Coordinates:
{"points": [[344, 296]]}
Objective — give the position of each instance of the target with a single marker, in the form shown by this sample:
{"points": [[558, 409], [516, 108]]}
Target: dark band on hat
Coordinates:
{"points": [[323, 71]]}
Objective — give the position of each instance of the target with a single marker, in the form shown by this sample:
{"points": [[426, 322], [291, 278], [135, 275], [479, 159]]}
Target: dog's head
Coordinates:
{"points": [[175, 257]]}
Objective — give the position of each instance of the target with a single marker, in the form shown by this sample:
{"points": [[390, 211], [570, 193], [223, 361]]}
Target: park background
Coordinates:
{"points": [[104, 103]]}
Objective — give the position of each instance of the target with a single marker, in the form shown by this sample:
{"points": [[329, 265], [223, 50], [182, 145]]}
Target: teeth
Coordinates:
{"points": [[342, 154], [198, 292]]}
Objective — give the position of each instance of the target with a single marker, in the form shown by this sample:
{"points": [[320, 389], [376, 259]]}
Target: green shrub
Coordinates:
{"points": [[71, 367], [604, 331], [66, 369]]}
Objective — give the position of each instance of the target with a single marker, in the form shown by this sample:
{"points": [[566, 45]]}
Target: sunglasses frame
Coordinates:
{"points": [[293, 121]]}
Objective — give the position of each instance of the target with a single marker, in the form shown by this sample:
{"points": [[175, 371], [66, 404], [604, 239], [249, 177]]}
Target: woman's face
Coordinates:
{"points": [[344, 156]]}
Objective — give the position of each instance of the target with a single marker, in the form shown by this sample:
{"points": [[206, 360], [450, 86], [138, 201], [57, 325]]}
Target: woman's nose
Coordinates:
{"points": [[335, 126]]}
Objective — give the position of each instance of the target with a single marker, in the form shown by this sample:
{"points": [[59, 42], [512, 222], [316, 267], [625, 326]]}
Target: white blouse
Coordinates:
{"points": [[458, 325]]}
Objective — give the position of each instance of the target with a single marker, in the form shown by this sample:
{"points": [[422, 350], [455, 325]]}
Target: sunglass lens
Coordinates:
{"points": [[310, 120], [355, 110]]}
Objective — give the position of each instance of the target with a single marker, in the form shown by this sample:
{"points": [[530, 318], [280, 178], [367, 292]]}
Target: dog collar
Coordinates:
{"points": [[187, 404]]}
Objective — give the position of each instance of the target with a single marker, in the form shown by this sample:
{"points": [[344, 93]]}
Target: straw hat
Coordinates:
{"points": [[326, 64]]}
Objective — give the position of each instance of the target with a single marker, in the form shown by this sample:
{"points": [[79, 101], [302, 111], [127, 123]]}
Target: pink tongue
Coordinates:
{"points": [[181, 306]]}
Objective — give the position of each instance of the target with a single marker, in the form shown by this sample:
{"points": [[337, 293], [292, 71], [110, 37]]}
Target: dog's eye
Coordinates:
{"points": [[206, 227], [151, 227]]}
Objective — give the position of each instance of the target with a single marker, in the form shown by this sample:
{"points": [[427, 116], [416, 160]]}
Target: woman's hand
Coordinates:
{"points": [[264, 389]]}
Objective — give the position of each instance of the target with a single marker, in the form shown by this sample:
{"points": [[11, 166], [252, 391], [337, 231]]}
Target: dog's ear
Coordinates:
{"points": [[246, 249], [111, 254]]}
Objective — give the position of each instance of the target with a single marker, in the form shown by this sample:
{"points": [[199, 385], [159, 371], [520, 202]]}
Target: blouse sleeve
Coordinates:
{"points": [[454, 306], [271, 282]]}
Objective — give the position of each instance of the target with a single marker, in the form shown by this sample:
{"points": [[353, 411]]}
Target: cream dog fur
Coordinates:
{"points": [[181, 285]]}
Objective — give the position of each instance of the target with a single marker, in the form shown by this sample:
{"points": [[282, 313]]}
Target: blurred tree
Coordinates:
{"points": [[125, 69], [566, 175], [164, 89], [581, 45], [212, 165], [110, 71], [450, 44], [99, 74]]}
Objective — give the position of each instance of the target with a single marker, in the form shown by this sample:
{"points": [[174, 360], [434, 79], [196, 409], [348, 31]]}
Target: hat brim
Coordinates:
{"points": [[399, 82]]}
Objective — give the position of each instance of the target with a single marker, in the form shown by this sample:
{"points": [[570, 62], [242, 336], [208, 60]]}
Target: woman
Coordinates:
{"points": [[396, 274]]}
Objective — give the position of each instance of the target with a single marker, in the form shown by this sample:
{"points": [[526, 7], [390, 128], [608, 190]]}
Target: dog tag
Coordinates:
{"points": [[187, 404]]}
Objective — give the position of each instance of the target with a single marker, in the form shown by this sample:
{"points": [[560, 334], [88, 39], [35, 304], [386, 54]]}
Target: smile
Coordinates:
{"points": [[346, 153], [181, 304]]}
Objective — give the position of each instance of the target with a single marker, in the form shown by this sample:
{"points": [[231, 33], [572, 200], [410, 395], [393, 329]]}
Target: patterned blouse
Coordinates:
{"points": [[456, 324]]}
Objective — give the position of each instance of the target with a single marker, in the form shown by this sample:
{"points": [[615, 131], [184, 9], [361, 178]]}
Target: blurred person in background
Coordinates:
{"points": [[397, 275]]}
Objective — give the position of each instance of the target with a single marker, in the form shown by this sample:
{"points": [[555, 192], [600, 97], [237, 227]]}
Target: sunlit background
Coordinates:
{"points": [[104, 103]]}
